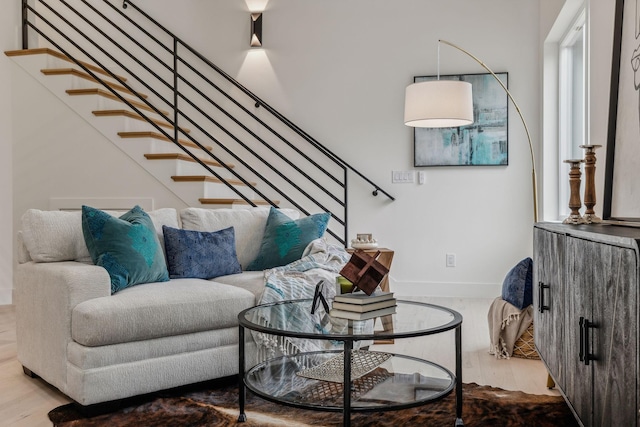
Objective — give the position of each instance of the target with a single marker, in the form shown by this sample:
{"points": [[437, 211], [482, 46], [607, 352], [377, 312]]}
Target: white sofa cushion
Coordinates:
{"points": [[249, 225], [252, 281], [161, 309], [54, 236]]}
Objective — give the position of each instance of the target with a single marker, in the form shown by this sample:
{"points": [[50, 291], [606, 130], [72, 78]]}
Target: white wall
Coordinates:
{"points": [[9, 30], [339, 69]]}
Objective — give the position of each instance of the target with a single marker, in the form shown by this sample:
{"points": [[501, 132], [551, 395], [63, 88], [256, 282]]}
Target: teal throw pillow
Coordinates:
{"points": [[284, 239], [127, 247], [200, 254]]}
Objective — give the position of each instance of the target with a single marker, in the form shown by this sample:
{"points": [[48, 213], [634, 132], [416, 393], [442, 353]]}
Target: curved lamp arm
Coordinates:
{"points": [[524, 123]]}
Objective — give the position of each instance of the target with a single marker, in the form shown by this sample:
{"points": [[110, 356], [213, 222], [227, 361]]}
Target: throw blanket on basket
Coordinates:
{"points": [[320, 261], [506, 324]]}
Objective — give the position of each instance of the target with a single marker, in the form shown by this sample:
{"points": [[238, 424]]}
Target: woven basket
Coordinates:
{"points": [[524, 346]]}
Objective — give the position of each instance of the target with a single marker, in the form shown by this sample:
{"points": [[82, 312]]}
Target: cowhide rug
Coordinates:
{"points": [[216, 404]]}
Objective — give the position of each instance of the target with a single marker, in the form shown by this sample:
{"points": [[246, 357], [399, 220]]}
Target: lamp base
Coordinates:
{"points": [[574, 219], [591, 219]]}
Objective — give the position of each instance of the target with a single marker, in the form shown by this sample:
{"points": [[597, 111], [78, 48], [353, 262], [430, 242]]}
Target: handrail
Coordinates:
{"points": [[201, 107]]}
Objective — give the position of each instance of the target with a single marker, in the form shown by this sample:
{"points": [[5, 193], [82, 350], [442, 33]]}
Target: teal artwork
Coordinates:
{"points": [[482, 143], [127, 247]]}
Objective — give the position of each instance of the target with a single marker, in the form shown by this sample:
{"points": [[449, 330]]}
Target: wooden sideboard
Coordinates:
{"points": [[586, 290]]}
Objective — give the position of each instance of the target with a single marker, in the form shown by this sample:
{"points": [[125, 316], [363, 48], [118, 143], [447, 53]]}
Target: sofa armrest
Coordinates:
{"points": [[45, 295]]}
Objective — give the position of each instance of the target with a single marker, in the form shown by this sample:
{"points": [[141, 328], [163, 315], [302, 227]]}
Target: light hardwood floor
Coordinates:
{"points": [[25, 402]]}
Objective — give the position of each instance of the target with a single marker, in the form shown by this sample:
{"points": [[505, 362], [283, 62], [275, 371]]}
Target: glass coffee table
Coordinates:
{"points": [[377, 381]]}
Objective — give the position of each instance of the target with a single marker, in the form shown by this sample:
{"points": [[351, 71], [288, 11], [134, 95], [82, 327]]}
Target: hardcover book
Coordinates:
{"points": [[362, 308], [362, 316], [362, 298]]}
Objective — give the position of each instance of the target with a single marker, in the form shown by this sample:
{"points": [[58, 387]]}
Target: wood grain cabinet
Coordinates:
{"points": [[586, 285]]}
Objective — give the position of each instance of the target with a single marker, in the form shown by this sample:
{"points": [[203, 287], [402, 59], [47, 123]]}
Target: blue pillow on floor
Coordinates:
{"points": [[127, 247], [517, 287], [285, 239], [200, 254]]}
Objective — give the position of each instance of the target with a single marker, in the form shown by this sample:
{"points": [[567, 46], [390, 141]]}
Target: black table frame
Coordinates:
{"points": [[348, 340]]}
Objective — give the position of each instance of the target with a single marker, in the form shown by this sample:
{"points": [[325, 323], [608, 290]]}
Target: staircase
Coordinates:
{"points": [[199, 132], [131, 131]]}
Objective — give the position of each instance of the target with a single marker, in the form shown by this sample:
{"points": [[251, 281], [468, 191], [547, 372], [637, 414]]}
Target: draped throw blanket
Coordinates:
{"points": [[506, 324], [320, 261]]}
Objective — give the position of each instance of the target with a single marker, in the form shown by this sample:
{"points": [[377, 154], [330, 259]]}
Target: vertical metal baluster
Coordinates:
{"points": [[25, 27]]}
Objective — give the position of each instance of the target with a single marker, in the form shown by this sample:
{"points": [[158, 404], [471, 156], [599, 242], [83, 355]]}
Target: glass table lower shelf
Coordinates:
{"points": [[389, 382]]}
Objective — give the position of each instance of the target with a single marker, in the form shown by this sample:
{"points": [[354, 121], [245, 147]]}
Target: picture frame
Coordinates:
{"points": [[621, 201], [485, 142]]}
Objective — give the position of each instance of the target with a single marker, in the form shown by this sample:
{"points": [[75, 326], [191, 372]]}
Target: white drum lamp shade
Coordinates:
{"points": [[438, 104]]}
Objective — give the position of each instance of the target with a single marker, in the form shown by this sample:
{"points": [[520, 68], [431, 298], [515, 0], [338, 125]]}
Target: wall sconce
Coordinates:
{"points": [[256, 30]]}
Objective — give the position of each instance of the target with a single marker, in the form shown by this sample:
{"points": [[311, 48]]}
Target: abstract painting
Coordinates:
{"points": [[482, 143]]}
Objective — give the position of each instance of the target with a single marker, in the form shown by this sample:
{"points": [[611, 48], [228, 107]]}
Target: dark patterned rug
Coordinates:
{"points": [[216, 404]]}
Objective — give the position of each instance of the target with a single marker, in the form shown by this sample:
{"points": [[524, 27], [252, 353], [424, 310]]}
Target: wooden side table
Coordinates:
{"points": [[385, 258]]}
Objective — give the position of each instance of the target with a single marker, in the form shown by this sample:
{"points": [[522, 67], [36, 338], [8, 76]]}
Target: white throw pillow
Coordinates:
{"points": [[54, 236], [248, 224]]}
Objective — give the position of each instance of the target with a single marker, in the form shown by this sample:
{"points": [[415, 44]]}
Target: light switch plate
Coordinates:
{"points": [[402, 177]]}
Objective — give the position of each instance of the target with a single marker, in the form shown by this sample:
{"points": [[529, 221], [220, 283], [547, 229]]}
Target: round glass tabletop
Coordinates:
{"points": [[292, 319]]}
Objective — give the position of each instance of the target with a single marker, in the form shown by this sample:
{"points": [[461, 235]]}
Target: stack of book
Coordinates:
{"points": [[360, 306]]}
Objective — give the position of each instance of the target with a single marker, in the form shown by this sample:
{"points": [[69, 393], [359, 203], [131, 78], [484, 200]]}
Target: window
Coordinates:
{"points": [[572, 102]]}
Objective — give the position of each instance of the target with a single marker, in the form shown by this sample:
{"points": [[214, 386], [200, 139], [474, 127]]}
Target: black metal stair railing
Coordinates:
{"points": [[295, 166]]}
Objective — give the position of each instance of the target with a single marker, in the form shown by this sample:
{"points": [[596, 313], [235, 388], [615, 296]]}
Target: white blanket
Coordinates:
{"points": [[320, 261]]}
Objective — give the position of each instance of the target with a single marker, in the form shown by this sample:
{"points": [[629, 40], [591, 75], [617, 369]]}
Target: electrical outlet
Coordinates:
{"points": [[421, 177], [451, 260]]}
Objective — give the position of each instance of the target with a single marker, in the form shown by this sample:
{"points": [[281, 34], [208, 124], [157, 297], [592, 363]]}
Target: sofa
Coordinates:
{"points": [[97, 346]]}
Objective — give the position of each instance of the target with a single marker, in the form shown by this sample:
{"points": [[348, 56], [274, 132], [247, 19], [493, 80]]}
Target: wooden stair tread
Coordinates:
{"points": [[206, 178], [48, 51], [107, 94], [133, 115], [156, 135], [209, 201], [180, 156], [83, 75]]}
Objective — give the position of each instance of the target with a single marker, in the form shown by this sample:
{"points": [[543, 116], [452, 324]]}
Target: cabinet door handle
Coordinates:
{"points": [[588, 356], [581, 352], [584, 355], [541, 306]]}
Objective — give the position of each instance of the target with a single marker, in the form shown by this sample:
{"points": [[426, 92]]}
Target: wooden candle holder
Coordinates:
{"points": [[590, 216], [574, 200]]}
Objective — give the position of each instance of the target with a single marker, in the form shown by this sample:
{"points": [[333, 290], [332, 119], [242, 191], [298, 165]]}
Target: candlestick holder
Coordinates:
{"points": [[574, 200], [590, 216]]}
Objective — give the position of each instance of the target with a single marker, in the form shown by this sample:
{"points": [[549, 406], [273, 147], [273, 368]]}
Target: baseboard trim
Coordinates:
{"points": [[456, 290]]}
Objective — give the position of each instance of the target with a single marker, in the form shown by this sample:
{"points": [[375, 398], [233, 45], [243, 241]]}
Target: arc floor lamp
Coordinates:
{"points": [[446, 103]]}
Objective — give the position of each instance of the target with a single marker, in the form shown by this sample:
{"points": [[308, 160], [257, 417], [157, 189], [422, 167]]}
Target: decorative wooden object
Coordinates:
{"points": [[364, 271], [590, 216], [385, 258], [574, 199]]}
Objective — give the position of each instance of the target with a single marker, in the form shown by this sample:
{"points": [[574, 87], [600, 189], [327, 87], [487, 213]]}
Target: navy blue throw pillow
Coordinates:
{"points": [[200, 254], [517, 285]]}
